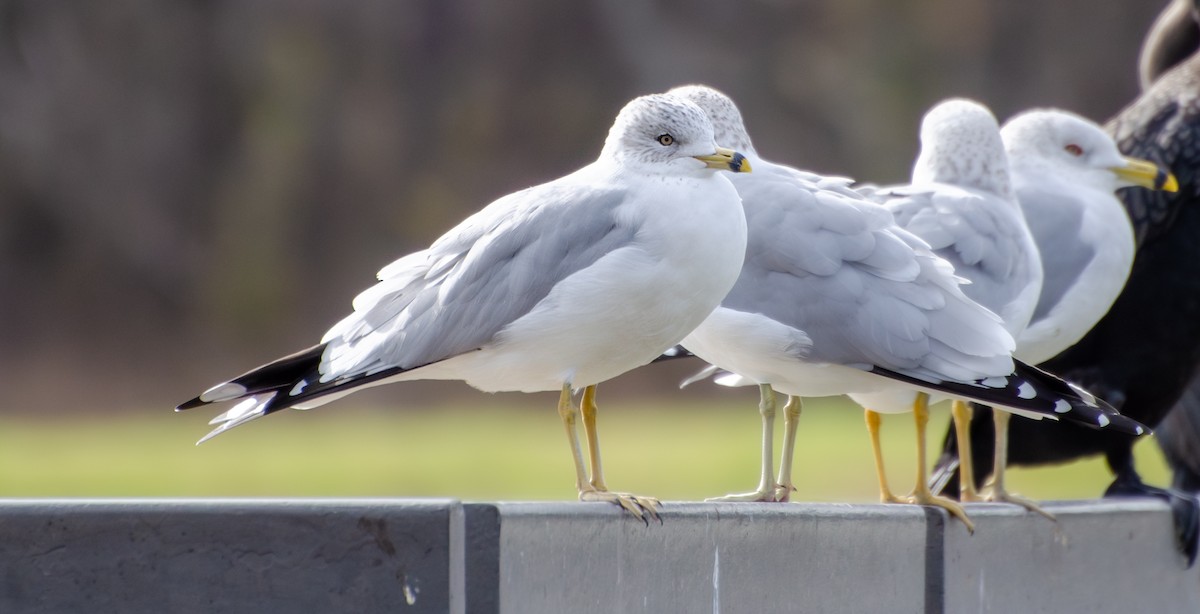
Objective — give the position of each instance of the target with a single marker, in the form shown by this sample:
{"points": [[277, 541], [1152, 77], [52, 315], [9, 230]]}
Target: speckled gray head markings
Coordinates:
{"points": [[961, 145], [724, 114], [635, 135]]}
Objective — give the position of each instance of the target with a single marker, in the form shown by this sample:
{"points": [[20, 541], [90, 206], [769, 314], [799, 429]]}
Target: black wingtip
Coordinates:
{"points": [[192, 404], [1086, 408], [278, 374], [1126, 424], [1033, 390]]}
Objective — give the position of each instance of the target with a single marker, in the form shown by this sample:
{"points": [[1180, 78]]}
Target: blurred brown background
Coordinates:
{"points": [[188, 189]]}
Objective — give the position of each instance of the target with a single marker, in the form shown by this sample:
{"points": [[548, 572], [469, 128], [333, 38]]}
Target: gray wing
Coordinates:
{"points": [[1055, 223], [866, 292], [967, 229], [477, 279]]}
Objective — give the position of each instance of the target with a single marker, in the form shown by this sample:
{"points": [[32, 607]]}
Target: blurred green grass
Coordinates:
{"points": [[496, 447]]}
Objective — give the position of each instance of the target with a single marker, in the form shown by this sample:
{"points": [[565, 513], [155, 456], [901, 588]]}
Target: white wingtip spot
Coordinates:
{"points": [[1103, 420], [223, 392], [237, 411], [995, 382], [1061, 407], [1026, 391], [249, 409]]}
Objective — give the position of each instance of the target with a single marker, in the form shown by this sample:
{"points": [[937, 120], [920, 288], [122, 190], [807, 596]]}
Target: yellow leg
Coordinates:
{"points": [[994, 490], [885, 494], [587, 406], [568, 413], [595, 490], [961, 412], [791, 418], [766, 477], [921, 493]]}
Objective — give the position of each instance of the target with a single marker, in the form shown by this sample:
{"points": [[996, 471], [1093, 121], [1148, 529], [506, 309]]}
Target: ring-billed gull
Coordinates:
{"points": [[1143, 352], [1066, 171], [835, 298], [556, 287], [961, 201]]}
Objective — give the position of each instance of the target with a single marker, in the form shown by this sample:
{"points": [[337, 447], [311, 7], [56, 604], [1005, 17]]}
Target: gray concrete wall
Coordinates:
{"points": [[257, 556], [231, 556]]}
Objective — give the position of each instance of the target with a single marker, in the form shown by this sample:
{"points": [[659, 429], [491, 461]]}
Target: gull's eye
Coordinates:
{"points": [[1074, 150], [665, 140]]}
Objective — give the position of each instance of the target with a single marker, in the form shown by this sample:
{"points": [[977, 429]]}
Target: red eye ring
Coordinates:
{"points": [[1074, 150]]}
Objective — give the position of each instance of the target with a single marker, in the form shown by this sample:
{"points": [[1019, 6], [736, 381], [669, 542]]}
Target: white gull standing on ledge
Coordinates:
{"points": [[556, 287], [961, 202]]}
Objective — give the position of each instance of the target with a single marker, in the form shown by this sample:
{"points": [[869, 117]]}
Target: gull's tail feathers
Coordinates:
{"points": [[292, 381]]}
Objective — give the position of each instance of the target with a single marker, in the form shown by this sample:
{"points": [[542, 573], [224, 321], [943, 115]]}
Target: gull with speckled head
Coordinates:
{"points": [[835, 298], [961, 202], [556, 287]]}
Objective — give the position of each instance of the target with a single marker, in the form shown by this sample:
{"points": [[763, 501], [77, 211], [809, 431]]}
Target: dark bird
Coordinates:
{"points": [[1179, 433], [1142, 354], [1179, 437]]}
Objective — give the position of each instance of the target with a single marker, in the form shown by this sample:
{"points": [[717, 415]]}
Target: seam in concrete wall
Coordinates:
{"points": [[483, 558], [457, 564], [935, 561]]}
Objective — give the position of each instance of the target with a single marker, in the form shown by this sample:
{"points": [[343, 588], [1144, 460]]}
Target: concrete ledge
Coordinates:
{"points": [[445, 556], [710, 557], [231, 556], [1100, 556]]}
